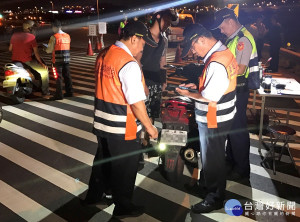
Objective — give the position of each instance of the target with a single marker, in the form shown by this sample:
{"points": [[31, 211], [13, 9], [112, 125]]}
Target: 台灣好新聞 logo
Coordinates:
{"points": [[233, 207]]}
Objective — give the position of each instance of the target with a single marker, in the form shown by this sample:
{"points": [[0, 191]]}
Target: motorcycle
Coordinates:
{"points": [[20, 81], [178, 142]]}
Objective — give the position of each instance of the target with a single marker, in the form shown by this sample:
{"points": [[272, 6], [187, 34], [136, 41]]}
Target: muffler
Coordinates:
{"points": [[190, 155]]}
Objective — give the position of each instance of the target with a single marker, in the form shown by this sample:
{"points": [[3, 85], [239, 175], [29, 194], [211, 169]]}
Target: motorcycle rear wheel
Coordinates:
{"points": [[18, 97]]}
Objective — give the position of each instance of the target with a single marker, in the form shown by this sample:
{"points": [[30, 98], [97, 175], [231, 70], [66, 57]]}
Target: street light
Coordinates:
{"points": [[52, 5]]}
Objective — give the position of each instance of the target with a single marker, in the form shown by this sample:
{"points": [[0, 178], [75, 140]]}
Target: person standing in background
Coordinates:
{"points": [[59, 46], [261, 32], [275, 38], [258, 31], [122, 25]]}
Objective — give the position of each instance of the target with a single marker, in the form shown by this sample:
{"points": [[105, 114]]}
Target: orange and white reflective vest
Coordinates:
{"points": [[113, 115], [61, 52], [216, 114]]}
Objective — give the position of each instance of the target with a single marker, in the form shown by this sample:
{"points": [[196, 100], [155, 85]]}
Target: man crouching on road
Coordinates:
{"points": [[214, 109], [119, 115]]}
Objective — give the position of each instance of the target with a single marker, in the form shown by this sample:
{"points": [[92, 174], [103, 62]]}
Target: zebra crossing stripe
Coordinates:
{"points": [[64, 112], [23, 206], [291, 180], [181, 198], [53, 124], [77, 104], [53, 176], [88, 97], [109, 210], [81, 76], [44, 171], [284, 178], [49, 143], [77, 87], [258, 170], [281, 177], [258, 195], [254, 150], [233, 187], [77, 81]]}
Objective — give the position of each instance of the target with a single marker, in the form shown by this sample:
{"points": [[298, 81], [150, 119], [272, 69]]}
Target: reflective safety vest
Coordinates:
{"points": [[216, 114], [113, 115], [253, 62], [61, 52]]}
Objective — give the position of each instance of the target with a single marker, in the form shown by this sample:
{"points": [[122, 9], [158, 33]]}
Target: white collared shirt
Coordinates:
{"points": [[216, 82], [131, 79]]}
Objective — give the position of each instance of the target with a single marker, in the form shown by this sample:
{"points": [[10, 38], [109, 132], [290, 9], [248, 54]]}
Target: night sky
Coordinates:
{"points": [[13, 4]]}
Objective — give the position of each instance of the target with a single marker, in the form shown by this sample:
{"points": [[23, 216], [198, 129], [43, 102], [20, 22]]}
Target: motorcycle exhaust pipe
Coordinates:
{"points": [[190, 155]]}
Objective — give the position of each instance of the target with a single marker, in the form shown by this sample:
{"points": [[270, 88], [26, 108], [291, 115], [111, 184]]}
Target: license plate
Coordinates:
{"points": [[173, 137]]}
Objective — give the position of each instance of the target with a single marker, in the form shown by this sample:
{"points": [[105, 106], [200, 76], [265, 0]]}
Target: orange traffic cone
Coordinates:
{"points": [[102, 42], [97, 45], [178, 54], [90, 50]]}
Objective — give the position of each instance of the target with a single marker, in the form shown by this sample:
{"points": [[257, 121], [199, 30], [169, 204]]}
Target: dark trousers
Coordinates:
{"points": [[63, 70], [212, 150], [115, 166], [274, 53], [238, 144]]}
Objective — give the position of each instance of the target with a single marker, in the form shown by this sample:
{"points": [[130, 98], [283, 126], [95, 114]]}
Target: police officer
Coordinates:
{"points": [[119, 115], [59, 46], [214, 109], [241, 43]]}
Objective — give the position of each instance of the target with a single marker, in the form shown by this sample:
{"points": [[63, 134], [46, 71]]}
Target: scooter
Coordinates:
{"points": [[178, 142], [20, 82]]}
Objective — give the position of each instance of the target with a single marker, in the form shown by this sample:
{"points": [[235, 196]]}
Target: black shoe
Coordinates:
{"points": [[205, 207], [68, 94], [132, 211], [56, 98]]}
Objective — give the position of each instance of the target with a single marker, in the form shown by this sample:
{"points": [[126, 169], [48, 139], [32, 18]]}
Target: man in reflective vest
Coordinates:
{"points": [[214, 109], [119, 115], [241, 43], [59, 46]]}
